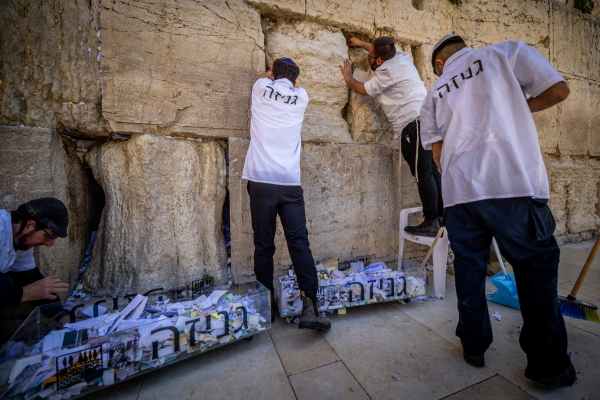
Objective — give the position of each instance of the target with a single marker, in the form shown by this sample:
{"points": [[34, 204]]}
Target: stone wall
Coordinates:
{"points": [[130, 75], [38, 162], [163, 213]]}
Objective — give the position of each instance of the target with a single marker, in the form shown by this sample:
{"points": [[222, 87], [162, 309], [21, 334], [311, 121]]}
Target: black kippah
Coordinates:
{"points": [[382, 41]]}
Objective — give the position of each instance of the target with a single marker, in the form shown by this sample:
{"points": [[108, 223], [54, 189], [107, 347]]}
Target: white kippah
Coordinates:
{"points": [[442, 40]]}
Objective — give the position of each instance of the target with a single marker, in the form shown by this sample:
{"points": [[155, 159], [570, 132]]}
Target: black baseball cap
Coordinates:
{"points": [[48, 211]]}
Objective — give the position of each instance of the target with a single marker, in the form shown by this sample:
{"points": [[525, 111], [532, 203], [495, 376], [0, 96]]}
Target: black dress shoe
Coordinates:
{"points": [[564, 378], [475, 361], [429, 228]]}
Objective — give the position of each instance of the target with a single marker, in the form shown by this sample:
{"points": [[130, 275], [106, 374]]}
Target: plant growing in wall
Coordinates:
{"points": [[585, 6], [456, 2]]}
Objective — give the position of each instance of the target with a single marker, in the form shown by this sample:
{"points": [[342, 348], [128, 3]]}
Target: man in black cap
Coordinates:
{"points": [[35, 223], [400, 91], [478, 121]]}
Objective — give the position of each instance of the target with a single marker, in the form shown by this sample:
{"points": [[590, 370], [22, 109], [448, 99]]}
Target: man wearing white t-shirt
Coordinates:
{"points": [[36, 223], [272, 169], [400, 91], [477, 119]]}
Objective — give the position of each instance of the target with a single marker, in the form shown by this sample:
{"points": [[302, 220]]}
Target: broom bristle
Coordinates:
{"points": [[578, 311]]}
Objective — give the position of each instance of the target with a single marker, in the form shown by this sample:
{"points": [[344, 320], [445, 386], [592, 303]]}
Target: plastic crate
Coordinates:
{"points": [[45, 359]]}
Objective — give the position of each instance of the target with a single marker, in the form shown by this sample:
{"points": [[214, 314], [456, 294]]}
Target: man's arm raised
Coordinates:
{"points": [[356, 42], [266, 74], [358, 87]]}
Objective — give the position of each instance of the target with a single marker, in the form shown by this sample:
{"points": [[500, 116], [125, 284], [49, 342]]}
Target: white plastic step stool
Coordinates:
{"points": [[440, 252]]}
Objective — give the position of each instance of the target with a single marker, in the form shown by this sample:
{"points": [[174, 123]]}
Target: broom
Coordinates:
{"points": [[570, 306]]}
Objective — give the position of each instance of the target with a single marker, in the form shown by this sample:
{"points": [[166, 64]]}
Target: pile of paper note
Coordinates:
{"points": [[356, 286], [112, 346]]}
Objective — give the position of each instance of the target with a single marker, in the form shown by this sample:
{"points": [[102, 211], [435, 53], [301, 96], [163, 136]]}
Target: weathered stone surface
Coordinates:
{"points": [[367, 120], [351, 195], [594, 148], [545, 123], [574, 194], [179, 67], [318, 51], [576, 41], [485, 23], [350, 15], [38, 162], [163, 213], [422, 60], [573, 116], [413, 21], [275, 9], [50, 72]]}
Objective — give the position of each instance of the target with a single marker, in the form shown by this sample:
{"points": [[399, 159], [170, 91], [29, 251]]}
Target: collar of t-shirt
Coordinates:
{"points": [[7, 250], [456, 56]]}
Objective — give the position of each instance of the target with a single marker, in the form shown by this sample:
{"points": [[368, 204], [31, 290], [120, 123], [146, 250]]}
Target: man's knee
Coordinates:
{"points": [[5, 281]]}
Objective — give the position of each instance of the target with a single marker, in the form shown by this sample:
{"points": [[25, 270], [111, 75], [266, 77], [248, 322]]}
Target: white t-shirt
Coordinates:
{"points": [[479, 109], [11, 259], [277, 114], [399, 90]]}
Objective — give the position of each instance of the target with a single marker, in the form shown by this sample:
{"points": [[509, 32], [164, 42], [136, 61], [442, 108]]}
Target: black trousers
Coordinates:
{"points": [[429, 177], [11, 287], [266, 201], [523, 228]]}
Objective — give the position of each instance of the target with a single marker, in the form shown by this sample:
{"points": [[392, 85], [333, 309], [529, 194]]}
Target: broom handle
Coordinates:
{"points": [[586, 268], [437, 237], [499, 255]]}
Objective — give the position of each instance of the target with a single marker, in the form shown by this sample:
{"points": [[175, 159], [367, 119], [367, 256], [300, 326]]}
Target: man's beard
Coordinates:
{"points": [[21, 241], [373, 68]]}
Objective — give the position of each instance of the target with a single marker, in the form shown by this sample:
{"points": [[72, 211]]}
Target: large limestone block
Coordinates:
{"points": [[594, 149], [275, 9], [574, 194], [489, 22], [413, 21], [163, 213], [50, 72], [350, 15], [179, 67], [318, 51], [573, 116], [351, 196], [38, 162], [422, 60], [545, 123], [367, 120], [575, 41]]}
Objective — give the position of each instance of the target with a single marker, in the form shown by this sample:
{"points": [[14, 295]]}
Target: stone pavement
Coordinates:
{"points": [[357, 357]]}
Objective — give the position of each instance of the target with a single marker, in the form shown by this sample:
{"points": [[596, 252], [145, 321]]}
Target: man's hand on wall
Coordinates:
{"points": [[346, 70], [43, 289], [266, 74], [355, 85], [356, 42]]}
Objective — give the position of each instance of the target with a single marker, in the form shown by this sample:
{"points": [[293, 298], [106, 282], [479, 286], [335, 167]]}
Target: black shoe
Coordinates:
{"points": [[564, 378], [310, 318], [475, 361], [429, 228]]}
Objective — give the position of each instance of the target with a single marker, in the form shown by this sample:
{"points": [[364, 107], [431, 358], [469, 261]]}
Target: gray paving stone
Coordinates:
{"points": [[331, 382]]}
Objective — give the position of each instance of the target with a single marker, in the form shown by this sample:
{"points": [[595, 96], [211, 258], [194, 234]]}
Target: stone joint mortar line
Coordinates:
{"points": [[282, 366], [476, 383], [342, 361]]}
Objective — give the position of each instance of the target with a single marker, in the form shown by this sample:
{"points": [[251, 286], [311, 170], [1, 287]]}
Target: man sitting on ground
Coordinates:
{"points": [[35, 223]]}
